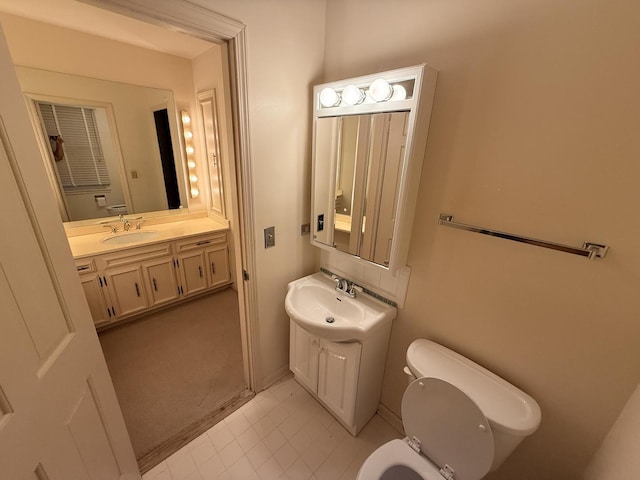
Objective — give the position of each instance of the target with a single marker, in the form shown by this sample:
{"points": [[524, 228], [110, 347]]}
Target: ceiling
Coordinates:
{"points": [[89, 19]]}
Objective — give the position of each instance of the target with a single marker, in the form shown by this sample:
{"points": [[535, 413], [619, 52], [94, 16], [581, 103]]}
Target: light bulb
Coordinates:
{"points": [[195, 192], [329, 97], [190, 150], [399, 93], [191, 164], [352, 95], [193, 178], [188, 134], [380, 90], [186, 119]]}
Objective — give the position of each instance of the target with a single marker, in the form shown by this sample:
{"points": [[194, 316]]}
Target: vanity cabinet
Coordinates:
{"points": [[126, 289], [329, 370], [161, 281], [136, 280], [93, 285]]}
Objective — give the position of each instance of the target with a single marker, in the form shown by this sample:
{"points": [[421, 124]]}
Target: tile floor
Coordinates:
{"points": [[283, 433]]}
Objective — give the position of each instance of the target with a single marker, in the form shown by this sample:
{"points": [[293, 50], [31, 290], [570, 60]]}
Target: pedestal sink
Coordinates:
{"points": [[129, 237], [314, 304]]}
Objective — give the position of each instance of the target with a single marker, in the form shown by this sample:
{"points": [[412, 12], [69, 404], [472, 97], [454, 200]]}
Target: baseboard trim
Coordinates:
{"points": [[391, 418], [159, 453]]}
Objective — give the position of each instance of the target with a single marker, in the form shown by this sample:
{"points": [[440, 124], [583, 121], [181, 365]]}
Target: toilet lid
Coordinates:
{"points": [[450, 426]]}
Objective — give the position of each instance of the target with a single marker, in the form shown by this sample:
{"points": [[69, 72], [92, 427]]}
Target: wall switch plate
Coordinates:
{"points": [[320, 223], [305, 229], [269, 237]]}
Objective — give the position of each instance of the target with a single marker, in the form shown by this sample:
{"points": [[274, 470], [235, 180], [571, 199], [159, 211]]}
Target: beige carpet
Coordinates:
{"points": [[175, 367]]}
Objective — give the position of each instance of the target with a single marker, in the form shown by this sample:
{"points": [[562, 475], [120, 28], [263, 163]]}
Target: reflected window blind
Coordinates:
{"points": [[83, 166]]}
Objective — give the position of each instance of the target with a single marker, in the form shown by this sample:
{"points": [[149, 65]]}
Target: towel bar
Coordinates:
{"points": [[589, 249]]}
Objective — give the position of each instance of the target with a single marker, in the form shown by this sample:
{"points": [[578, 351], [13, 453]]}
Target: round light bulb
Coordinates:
{"points": [[329, 97], [188, 134], [399, 93], [193, 178], [190, 150], [352, 95], [195, 192], [191, 164], [380, 90], [186, 119]]}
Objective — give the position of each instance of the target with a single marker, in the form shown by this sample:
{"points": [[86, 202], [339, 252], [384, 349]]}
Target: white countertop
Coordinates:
{"points": [[90, 244]]}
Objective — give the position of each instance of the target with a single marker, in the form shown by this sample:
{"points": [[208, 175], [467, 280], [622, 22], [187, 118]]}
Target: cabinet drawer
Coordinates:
{"points": [[85, 265], [135, 255], [201, 242]]}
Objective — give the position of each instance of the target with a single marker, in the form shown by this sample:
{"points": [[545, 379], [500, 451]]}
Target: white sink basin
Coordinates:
{"points": [[129, 237], [314, 304]]}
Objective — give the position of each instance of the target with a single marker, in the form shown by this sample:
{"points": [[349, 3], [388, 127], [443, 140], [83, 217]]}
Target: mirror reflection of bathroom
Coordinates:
{"points": [[112, 146]]}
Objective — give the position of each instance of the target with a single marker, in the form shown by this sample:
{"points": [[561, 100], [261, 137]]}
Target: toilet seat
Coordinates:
{"points": [[447, 429], [451, 428]]}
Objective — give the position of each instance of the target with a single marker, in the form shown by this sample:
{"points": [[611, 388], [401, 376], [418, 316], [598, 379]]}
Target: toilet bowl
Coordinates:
{"points": [[461, 420], [120, 209]]}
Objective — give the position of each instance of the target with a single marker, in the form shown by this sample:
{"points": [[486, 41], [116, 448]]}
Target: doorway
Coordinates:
{"points": [[167, 159], [241, 233]]}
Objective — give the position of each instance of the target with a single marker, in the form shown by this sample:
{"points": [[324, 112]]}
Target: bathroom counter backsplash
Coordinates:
{"points": [[91, 244]]}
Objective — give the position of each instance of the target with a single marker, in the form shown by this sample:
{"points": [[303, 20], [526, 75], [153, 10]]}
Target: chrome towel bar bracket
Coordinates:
{"points": [[589, 249]]}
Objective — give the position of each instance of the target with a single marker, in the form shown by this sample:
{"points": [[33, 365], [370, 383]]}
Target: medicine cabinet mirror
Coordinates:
{"points": [[369, 141]]}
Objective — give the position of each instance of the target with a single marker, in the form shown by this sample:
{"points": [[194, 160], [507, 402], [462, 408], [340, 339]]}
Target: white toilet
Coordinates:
{"points": [[461, 420]]}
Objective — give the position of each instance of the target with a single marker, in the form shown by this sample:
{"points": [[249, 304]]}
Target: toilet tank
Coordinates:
{"points": [[512, 414]]}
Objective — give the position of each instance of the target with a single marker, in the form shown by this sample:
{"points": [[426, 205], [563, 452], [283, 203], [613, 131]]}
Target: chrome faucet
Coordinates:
{"points": [[345, 286], [127, 225], [112, 227]]}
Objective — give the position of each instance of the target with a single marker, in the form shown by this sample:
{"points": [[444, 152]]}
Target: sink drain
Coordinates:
{"points": [[329, 319]]}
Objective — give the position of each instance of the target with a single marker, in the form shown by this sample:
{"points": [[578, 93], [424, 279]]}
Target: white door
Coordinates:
{"points": [[59, 416]]}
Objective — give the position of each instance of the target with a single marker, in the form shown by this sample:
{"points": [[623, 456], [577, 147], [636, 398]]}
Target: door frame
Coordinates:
{"points": [[200, 22]]}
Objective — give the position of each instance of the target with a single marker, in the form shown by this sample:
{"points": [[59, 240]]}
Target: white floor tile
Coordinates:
{"points": [[212, 468], [286, 456], [203, 452], [221, 436], [231, 454], [248, 439], [270, 470], [283, 433], [274, 441], [258, 454], [242, 470], [180, 465]]}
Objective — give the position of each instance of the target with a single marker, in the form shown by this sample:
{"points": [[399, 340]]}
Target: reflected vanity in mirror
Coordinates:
{"points": [[369, 142], [112, 148]]}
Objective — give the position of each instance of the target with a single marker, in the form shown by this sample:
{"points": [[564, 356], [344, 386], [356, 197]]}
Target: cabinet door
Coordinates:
{"points": [[218, 265], [339, 364], [192, 272], [127, 289], [161, 281], [303, 356], [100, 310]]}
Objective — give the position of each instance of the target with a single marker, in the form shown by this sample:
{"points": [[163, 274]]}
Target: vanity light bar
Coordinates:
{"points": [[190, 151], [378, 91]]}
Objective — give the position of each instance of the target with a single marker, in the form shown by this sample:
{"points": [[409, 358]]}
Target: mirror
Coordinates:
{"points": [[128, 133], [367, 160]]}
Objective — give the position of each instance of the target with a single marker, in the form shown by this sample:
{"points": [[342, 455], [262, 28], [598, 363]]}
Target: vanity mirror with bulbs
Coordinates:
{"points": [[369, 143]]}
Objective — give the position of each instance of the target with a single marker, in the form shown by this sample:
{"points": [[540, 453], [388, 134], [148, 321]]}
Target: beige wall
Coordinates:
{"points": [[617, 458], [533, 132], [285, 42]]}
